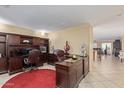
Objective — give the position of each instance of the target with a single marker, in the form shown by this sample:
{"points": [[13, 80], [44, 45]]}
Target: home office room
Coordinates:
{"points": [[61, 46]]}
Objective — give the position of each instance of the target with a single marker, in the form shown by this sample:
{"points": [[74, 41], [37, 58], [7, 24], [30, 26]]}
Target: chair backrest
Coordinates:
{"points": [[60, 55], [34, 55]]}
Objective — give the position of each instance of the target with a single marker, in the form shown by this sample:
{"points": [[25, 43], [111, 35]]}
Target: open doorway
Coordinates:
{"points": [[107, 48]]}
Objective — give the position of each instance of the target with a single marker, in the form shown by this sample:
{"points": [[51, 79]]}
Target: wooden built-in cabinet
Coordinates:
{"points": [[13, 39], [3, 65], [3, 55], [23, 38], [3, 45], [10, 43], [36, 41]]}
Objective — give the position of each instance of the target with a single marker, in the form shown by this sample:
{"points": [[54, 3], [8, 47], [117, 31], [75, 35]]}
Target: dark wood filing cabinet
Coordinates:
{"points": [[69, 75]]}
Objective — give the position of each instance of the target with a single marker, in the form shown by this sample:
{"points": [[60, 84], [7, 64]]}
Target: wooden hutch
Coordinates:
{"points": [[9, 61]]}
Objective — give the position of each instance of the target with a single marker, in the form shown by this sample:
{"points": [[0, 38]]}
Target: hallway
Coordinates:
{"points": [[109, 73]]}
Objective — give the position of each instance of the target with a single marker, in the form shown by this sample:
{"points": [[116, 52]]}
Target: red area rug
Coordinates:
{"points": [[41, 78]]}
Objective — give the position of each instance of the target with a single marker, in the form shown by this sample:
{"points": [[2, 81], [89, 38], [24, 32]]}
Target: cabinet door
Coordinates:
{"points": [[79, 70], [15, 64], [72, 79], [61, 78], [13, 39], [3, 49], [86, 66], [3, 64], [36, 41]]}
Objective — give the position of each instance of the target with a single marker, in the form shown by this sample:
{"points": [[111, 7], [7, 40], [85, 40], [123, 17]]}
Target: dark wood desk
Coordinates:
{"points": [[69, 75], [16, 64], [86, 65]]}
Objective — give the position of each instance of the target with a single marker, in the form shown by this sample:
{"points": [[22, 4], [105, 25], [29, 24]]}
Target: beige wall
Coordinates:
{"points": [[19, 30], [76, 36]]}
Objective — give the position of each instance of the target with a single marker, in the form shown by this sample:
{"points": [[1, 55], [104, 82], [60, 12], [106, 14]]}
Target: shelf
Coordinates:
{"points": [[2, 42], [3, 57], [3, 71], [22, 45], [44, 43]]}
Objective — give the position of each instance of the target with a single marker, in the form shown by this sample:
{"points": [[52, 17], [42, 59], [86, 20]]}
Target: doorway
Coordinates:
{"points": [[107, 48]]}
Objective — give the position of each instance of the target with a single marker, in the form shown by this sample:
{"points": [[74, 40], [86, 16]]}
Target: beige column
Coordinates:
{"points": [[122, 43]]}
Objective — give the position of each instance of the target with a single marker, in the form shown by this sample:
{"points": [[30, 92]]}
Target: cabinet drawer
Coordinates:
{"points": [[61, 67]]}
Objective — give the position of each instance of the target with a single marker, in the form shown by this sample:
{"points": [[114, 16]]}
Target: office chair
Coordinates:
{"points": [[60, 55]]}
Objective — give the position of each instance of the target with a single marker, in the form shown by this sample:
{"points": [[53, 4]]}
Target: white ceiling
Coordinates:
{"points": [[107, 21]]}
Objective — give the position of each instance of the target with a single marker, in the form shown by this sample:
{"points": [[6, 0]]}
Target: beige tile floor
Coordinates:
{"points": [[109, 73]]}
